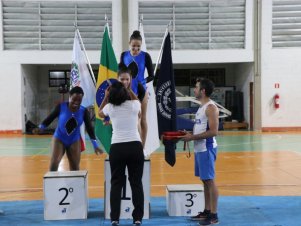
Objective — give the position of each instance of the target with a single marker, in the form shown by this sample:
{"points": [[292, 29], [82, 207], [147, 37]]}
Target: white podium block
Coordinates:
{"points": [[126, 207], [65, 195], [184, 199]]}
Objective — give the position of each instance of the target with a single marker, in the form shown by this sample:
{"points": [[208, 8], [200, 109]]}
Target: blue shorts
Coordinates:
{"points": [[204, 164]]}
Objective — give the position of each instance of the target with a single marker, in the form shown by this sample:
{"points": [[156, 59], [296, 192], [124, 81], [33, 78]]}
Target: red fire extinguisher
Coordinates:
{"points": [[276, 101]]}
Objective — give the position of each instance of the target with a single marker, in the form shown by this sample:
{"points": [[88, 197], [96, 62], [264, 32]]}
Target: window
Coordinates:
{"points": [[206, 24], [59, 78], [49, 25]]}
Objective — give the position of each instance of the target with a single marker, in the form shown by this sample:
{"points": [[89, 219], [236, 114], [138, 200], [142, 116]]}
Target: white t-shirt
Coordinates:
{"points": [[124, 120], [201, 125]]}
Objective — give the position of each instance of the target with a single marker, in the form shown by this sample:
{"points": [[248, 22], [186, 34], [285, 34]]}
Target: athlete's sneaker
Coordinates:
{"points": [[137, 223], [115, 223], [201, 216], [211, 220]]}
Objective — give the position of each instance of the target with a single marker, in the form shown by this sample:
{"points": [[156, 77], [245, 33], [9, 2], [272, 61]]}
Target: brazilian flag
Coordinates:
{"points": [[107, 74]]}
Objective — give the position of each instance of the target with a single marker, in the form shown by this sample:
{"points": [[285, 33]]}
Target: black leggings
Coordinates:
{"points": [[130, 155]]}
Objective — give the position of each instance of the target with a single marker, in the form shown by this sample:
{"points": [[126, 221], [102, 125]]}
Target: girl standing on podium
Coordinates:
{"points": [[137, 61], [124, 108], [66, 137]]}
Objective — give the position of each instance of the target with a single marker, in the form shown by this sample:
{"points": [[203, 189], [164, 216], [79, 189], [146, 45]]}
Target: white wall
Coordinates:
{"points": [[279, 66], [11, 116], [30, 87]]}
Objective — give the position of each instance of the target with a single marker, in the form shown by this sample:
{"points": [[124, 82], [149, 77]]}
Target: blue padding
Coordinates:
{"points": [[233, 211], [191, 110], [183, 123]]}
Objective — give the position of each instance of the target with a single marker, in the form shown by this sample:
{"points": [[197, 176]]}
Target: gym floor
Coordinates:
{"points": [[249, 164]]}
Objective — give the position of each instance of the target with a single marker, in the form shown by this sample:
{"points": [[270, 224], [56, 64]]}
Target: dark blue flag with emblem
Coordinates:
{"points": [[166, 101]]}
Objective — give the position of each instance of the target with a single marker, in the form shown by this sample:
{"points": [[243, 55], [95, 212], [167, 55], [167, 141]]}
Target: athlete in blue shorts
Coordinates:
{"points": [[67, 137], [205, 149]]}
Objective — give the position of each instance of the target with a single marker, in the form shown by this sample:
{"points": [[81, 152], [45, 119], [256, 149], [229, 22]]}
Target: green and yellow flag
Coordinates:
{"points": [[107, 74]]}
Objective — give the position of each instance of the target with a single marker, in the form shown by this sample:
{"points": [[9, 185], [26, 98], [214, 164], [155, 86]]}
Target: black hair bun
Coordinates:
{"points": [[121, 66], [136, 33]]}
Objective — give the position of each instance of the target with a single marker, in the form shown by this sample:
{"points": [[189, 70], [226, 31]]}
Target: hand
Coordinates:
{"points": [[129, 89], [107, 92], [143, 144], [106, 121], [188, 136], [130, 85], [132, 94], [98, 151]]}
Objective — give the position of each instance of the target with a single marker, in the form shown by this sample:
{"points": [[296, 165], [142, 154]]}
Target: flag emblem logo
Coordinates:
{"points": [[75, 75], [164, 100]]}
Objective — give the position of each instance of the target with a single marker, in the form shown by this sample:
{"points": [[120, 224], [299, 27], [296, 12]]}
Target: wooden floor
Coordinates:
{"points": [[273, 173]]}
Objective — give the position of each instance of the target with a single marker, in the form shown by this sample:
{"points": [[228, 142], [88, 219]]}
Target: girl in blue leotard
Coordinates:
{"points": [[137, 61], [66, 137]]}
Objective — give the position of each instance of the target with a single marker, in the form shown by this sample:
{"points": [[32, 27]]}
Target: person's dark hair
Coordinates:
{"points": [[136, 36], [206, 84], [122, 68], [77, 90], [118, 94]]}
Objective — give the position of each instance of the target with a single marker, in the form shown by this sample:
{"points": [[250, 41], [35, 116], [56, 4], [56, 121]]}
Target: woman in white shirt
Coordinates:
{"points": [[126, 79], [123, 108]]}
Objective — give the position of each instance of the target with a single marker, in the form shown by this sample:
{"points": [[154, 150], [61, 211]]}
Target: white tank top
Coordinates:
{"points": [[201, 125]]}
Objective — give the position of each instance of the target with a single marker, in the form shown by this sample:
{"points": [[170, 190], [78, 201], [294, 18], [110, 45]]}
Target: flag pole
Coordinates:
{"points": [[82, 44], [140, 21], [107, 25], [161, 49]]}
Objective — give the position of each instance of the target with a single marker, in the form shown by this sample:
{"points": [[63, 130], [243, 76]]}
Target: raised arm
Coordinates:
{"points": [[90, 131], [132, 94], [104, 102]]}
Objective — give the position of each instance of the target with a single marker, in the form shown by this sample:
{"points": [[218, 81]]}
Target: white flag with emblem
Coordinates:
{"points": [[80, 76], [152, 142]]}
